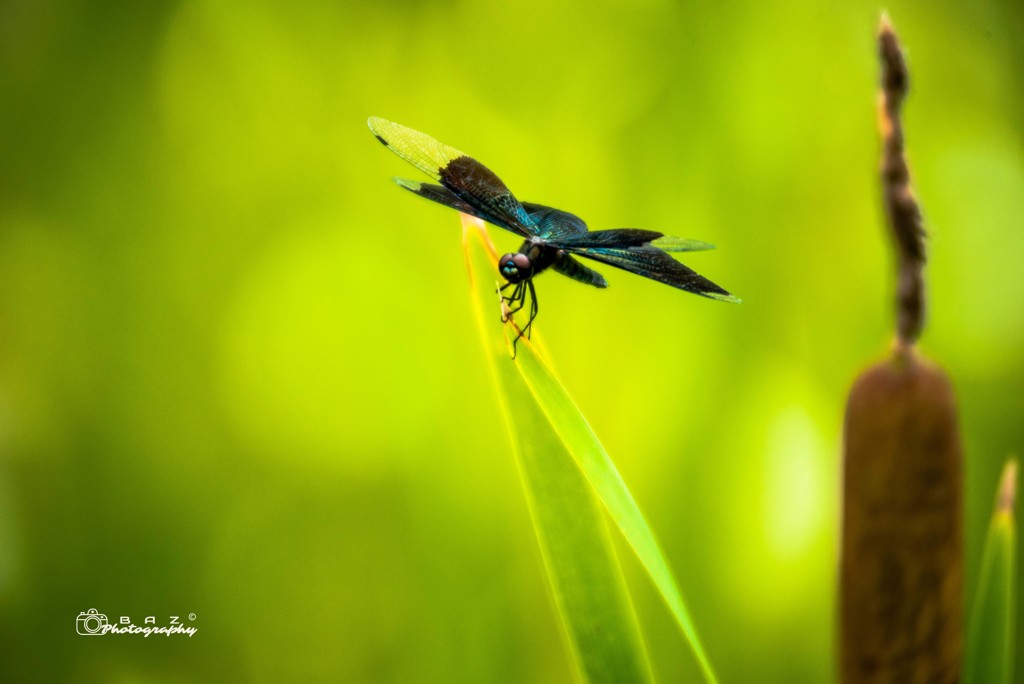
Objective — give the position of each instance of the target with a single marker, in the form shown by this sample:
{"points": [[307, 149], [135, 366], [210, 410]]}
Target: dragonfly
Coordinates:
{"points": [[552, 238]]}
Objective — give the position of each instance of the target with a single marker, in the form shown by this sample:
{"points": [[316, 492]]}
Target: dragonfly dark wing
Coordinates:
{"points": [[651, 262], [568, 266], [442, 195], [552, 224], [468, 179], [631, 237], [617, 237]]}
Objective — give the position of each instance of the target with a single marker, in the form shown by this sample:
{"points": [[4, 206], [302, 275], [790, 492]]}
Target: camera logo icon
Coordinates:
{"points": [[91, 623]]}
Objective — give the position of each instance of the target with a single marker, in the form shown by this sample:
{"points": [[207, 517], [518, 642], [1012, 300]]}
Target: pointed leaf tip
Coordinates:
{"points": [[1008, 487]]}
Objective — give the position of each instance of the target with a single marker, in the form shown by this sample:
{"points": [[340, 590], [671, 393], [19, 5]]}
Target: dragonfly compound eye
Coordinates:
{"points": [[514, 267]]}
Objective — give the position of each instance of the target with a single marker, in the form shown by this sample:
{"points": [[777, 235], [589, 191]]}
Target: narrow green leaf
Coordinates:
{"points": [[547, 402], [599, 470], [990, 646], [584, 572]]}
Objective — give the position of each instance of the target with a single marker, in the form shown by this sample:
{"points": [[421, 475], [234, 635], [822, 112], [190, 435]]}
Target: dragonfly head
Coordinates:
{"points": [[515, 268]]}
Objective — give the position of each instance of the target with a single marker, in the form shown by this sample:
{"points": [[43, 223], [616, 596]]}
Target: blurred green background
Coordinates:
{"points": [[239, 375]]}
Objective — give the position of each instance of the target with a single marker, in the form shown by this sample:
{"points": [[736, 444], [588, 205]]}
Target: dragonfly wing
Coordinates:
{"points": [[631, 237], [668, 243], [442, 195], [468, 179], [571, 268], [651, 262], [536, 211], [617, 237], [552, 225], [437, 193]]}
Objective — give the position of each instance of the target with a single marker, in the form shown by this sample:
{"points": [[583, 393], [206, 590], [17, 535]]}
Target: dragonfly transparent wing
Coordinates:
{"points": [[668, 243], [468, 179]]}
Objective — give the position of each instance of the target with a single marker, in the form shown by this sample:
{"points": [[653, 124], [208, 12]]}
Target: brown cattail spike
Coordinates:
{"points": [[901, 568], [901, 208], [901, 572]]}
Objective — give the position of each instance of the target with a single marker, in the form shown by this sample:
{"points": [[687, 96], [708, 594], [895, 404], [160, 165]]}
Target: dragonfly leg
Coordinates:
{"points": [[518, 295], [534, 308], [515, 293]]}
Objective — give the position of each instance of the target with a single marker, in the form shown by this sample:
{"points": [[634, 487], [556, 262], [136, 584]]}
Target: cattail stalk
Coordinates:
{"points": [[901, 566]]}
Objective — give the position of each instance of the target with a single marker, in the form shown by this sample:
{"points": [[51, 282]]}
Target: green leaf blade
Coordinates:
{"points": [[990, 646], [585, 577], [575, 438], [604, 477]]}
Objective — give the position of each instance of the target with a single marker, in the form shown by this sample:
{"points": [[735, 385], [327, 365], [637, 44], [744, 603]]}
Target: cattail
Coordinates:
{"points": [[901, 568]]}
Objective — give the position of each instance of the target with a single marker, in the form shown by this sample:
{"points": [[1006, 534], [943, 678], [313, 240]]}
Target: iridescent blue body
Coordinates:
{"points": [[552, 238]]}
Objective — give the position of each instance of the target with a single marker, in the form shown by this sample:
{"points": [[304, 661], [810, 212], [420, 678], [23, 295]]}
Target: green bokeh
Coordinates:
{"points": [[238, 370]]}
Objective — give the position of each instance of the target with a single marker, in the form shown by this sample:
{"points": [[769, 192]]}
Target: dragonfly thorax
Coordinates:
{"points": [[515, 268]]}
